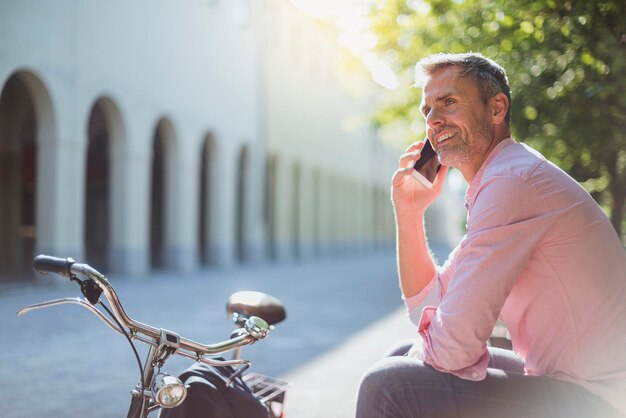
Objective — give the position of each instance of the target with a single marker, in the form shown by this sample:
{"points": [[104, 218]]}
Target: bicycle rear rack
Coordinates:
{"points": [[266, 389]]}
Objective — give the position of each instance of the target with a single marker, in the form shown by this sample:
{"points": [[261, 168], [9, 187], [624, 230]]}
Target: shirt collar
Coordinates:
{"points": [[473, 186]]}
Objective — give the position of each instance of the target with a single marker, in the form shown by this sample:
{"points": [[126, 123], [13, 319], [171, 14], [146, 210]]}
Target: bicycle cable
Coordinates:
{"points": [[131, 344], [85, 289]]}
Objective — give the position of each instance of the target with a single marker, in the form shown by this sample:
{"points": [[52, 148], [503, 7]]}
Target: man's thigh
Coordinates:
{"points": [[399, 387], [499, 358]]}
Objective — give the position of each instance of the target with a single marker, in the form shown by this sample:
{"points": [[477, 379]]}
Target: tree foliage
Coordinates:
{"points": [[566, 62]]}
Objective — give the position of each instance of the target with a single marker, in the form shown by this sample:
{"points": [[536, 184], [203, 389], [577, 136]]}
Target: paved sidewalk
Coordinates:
{"points": [[326, 387], [342, 315]]}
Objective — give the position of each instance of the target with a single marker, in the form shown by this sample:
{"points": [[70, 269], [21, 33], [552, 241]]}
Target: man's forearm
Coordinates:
{"points": [[416, 267]]}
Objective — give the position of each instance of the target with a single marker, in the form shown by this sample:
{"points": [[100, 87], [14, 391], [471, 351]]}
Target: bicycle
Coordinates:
{"points": [[254, 313]]}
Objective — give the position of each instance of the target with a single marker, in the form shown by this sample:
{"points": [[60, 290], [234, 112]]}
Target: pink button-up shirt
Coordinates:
{"points": [[542, 256]]}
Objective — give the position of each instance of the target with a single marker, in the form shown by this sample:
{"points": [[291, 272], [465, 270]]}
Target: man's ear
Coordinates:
{"points": [[499, 106]]}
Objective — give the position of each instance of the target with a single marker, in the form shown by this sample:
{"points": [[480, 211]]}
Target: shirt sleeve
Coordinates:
{"points": [[433, 292], [505, 226], [429, 296]]}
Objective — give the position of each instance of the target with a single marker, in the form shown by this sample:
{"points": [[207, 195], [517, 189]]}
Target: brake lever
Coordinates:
{"points": [[89, 288], [76, 301], [48, 304]]}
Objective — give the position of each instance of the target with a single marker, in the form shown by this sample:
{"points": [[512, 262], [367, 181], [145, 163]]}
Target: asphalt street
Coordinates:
{"points": [[342, 313]]}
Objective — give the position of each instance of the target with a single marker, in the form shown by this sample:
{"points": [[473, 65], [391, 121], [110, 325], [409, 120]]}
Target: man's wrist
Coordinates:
{"points": [[409, 214]]}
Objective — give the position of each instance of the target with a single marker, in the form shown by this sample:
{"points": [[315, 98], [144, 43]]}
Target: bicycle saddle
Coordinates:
{"points": [[252, 303]]}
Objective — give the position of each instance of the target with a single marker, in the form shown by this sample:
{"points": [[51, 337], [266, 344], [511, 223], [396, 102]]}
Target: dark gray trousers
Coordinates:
{"points": [[402, 387]]}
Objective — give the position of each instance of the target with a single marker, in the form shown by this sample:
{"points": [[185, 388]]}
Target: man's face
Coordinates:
{"points": [[458, 123]]}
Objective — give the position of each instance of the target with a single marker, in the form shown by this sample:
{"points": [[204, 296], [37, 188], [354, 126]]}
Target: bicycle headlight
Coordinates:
{"points": [[168, 391]]}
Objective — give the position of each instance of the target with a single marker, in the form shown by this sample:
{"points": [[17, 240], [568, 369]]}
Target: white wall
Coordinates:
{"points": [[249, 73], [193, 65], [309, 113]]}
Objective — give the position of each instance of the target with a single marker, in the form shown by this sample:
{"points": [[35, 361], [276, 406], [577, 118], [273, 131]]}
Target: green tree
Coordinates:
{"points": [[566, 63]]}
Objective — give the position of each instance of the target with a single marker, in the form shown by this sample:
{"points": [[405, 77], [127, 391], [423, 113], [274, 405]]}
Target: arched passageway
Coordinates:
{"points": [[296, 230], [19, 126], [161, 203], [157, 204], [205, 230], [317, 212], [270, 206], [98, 189], [241, 205]]}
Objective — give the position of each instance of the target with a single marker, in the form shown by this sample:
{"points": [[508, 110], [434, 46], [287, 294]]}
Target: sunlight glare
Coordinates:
{"points": [[325, 8], [350, 17]]}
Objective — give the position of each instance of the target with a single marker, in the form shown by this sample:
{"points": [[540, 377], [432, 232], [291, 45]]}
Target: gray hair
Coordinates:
{"points": [[489, 77]]}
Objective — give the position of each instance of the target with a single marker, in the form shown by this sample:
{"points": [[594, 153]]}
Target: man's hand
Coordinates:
{"points": [[408, 194]]}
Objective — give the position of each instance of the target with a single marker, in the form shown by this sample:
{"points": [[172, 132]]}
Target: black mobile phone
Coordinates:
{"points": [[427, 167]]}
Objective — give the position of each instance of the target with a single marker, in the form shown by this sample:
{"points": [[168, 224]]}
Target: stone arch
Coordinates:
{"points": [[241, 203], [296, 211], [27, 121], [105, 136], [206, 227], [270, 207], [317, 202], [162, 203]]}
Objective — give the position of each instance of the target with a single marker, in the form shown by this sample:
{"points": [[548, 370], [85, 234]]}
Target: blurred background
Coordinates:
{"points": [[194, 148]]}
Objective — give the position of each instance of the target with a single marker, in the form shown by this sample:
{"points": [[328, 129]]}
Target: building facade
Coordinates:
{"points": [[157, 134]]}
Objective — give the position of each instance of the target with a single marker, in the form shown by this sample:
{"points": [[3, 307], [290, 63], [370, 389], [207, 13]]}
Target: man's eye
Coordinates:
{"points": [[448, 101]]}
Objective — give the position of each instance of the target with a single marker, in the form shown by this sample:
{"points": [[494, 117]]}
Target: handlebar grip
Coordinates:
{"points": [[45, 264]]}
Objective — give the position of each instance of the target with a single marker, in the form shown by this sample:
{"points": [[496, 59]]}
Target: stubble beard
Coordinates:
{"points": [[465, 151]]}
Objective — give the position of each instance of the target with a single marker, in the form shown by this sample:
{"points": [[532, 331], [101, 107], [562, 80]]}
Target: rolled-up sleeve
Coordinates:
{"points": [[432, 294], [429, 296], [506, 222]]}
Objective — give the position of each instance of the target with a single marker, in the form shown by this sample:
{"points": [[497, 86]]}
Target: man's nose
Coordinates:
{"points": [[434, 118]]}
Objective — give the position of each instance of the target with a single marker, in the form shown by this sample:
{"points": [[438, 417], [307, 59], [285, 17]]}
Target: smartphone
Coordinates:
{"points": [[426, 168]]}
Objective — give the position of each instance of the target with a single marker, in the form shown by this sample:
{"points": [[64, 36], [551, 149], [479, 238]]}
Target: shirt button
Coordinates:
{"points": [[475, 375]]}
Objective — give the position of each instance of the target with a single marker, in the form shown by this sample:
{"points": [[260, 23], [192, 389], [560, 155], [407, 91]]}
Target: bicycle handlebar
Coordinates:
{"points": [[45, 264], [67, 267]]}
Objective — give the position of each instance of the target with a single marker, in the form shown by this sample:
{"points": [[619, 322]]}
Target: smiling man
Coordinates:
{"points": [[539, 254]]}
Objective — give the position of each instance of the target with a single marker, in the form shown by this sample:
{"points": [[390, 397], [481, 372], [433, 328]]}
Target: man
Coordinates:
{"points": [[538, 254]]}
